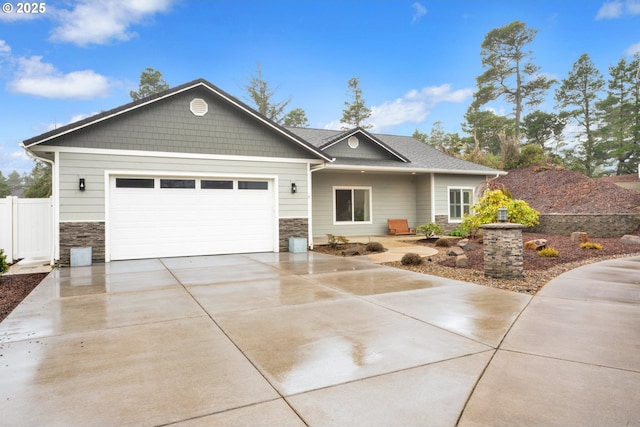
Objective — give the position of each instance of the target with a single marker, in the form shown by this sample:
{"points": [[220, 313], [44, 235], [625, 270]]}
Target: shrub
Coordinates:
{"points": [[374, 247], [443, 243], [548, 252], [430, 229], [411, 258], [3, 262], [335, 241], [590, 245], [486, 211], [460, 231]]}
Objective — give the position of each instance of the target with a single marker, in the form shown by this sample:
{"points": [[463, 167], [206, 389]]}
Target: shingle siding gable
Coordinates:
{"points": [[169, 126]]}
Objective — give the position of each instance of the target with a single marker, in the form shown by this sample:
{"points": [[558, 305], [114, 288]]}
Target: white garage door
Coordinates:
{"points": [[153, 217]]}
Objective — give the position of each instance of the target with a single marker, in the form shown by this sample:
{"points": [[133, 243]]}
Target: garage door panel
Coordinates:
{"points": [[163, 222]]}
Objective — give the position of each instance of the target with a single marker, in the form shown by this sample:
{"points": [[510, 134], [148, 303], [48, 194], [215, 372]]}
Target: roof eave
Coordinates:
{"points": [[406, 169]]}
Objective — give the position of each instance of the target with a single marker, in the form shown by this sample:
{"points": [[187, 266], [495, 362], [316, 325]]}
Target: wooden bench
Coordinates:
{"points": [[399, 227]]}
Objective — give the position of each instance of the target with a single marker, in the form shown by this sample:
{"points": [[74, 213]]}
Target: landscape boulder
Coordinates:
{"points": [[455, 251], [536, 244], [579, 236], [462, 261], [630, 239]]}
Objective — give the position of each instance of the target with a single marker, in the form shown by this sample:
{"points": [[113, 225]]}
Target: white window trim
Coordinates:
{"points": [[472, 201], [349, 187]]}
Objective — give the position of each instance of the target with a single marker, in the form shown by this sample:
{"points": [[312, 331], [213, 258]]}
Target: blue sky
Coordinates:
{"points": [[417, 60]]}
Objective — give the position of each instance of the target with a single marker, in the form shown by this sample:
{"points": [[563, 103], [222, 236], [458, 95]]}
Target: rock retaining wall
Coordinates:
{"points": [[596, 225]]}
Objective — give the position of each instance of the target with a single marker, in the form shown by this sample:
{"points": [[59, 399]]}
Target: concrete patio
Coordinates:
{"points": [[309, 339]]}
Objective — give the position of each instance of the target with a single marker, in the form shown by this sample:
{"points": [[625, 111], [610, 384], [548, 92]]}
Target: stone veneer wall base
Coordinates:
{"points": [[292, 227], [82, 234]]}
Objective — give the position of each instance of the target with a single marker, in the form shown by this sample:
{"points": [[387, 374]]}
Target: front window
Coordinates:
{"points": [[459, 203], [353, 205]]}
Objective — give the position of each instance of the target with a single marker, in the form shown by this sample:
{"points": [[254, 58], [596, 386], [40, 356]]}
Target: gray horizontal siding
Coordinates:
{"points": [[90, 204], [443, 181], [393, 196]]}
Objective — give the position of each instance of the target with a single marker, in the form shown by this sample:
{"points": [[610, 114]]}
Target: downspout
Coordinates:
{"points": [[32, 155]]}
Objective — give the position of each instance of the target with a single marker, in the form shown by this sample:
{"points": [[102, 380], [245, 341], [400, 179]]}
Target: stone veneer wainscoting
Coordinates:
{"points": [[82, 234], [292, 227]]}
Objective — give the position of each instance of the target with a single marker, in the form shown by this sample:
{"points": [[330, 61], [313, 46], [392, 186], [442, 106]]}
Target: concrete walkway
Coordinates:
{"points": [[309, 339]]}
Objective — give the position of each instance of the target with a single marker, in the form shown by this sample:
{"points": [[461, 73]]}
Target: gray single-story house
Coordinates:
{"points": [[193, 171]]}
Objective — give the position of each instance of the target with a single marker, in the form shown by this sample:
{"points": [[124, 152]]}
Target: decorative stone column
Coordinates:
{"points": [[502, 250]]}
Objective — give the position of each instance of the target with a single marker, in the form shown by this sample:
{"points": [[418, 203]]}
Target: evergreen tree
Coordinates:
{"points": [[15, 182], [151, 82], [355, 112], [42, 183], [5, 190], [577, 97], [620, 116], [296, 118], [509, 71], [261, 96]]}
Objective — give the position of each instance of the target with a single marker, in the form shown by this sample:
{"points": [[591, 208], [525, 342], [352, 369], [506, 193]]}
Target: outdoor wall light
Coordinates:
{"points": [[81, 184], [294, 188], [503, 214]]}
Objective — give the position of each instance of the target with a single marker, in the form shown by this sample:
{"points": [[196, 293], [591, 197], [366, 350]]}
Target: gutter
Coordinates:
{"points": [[32, 155]]}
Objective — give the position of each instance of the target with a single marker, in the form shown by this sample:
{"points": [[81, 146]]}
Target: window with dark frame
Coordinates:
{"points": [[212, 184], [353, 205], [177, 183], [135, 183], [253, 185]]}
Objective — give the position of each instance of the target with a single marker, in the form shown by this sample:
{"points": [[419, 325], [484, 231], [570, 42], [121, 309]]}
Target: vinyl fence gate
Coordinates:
{"points": [[26, 227]]}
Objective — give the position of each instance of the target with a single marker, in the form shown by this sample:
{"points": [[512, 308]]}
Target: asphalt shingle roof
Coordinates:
{"points": [[421, 156]]}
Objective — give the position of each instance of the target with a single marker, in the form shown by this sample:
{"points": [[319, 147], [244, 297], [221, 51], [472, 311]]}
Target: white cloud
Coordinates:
{"points": [[616, 9], [5, 49], [633, 7], [75, 118], [38, 78], [610, 10], [633, 49], [100, 22], [418, 11], [414, 107]]}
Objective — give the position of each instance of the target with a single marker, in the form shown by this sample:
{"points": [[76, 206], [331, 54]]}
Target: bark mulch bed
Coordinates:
{"points": [[15, 288]]}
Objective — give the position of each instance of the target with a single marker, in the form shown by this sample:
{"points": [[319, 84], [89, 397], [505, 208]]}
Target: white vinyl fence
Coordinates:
{"points": [[25, 227]]}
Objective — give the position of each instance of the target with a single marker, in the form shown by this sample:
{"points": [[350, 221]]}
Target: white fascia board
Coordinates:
{"points": [[167, 154], [413, 170]]}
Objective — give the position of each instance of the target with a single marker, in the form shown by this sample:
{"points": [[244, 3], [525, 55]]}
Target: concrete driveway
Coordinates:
{"points": [[309, 339]]}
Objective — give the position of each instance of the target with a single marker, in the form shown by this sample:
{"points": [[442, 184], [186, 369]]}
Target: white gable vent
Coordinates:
{"points": [[199, 107], [353, 142]]}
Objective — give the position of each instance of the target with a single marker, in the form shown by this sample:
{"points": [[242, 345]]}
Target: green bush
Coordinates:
{"points": [[335, 241], [460, 231], [548, 252], [430, 229], [3, 262], [374, 247], [486, 211], [411, 258]]}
